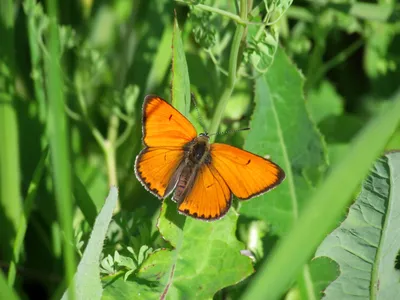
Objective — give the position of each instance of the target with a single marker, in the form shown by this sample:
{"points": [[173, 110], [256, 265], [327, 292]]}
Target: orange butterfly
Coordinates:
{"points": [[203, 175]]}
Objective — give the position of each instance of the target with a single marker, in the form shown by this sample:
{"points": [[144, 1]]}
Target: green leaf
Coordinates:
{"points": [[322, 272], [87, 278], [282, 129], [206, 256], [6, 292], [118, 288], [366, 244], [325, 208], [180, 74], [324, 102]]}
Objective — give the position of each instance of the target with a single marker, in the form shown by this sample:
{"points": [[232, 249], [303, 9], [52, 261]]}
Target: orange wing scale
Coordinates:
{"points": [[209, 198], [164, 126], [246, 174], [155, 167], [165, 132]]}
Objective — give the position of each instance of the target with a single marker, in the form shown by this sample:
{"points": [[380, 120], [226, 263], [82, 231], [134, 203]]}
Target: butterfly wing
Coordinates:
{"points": [[245, 173], [165, 133], [209, 198], [158, 169], [163, 125]]}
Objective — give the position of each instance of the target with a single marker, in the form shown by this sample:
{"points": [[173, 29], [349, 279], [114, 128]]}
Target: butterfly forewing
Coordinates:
{"points": [[246, 174], [165, 133]]}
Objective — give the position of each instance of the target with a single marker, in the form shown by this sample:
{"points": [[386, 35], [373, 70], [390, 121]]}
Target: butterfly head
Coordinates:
{"points": [[204, 135]]}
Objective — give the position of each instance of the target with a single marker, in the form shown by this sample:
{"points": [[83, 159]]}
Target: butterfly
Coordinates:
{"points": [[203, 175]]}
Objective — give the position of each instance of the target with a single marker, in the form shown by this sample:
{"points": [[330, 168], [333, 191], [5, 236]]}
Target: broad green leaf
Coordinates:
{"points": [[206, 256], [180, 74], [281, 128], [322, 272], [87, 278], [366, 244], [325, 208], [120, 289]]}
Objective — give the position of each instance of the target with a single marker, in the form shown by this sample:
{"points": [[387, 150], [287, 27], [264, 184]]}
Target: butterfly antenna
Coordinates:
{"points": [[230, 131], [198, 112]]}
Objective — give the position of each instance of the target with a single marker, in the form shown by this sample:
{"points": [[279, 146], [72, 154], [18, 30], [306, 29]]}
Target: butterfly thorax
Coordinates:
{"points": [[197, 153]]}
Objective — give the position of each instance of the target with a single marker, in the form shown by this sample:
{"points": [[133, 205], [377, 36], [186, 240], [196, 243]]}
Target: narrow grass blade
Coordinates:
{"points": [[10, 196], [87, 278], [6, 292], [57, 130], [180, 74], [23, 222], [324, 209]]}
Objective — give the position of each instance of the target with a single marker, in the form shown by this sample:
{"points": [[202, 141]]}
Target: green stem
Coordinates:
{"points": [[110, 153], [238, 19], [81, 101], [232, 71]]}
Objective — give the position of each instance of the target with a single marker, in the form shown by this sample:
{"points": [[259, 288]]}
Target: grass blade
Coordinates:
{"points": [[87, 278], [57, 130], [180, 74], [10, 196], [23, 222]]}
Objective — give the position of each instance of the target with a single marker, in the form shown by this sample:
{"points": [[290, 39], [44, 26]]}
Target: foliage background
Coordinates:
{"points": [[336, 67]]}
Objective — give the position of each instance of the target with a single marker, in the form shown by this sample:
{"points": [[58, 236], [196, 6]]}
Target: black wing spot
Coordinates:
{"points": [[170, 117], [248, 162], [210, 185]]}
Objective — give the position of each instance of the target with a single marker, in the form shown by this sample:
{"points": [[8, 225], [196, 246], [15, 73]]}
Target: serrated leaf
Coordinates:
{"points": [[281, 128], [87, 278], [180, 74], [366, 244], [206, 257]]}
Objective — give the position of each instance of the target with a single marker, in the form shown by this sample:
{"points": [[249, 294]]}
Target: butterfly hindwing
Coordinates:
{"points": [[209, 198], [156, 167], [246, 174]]}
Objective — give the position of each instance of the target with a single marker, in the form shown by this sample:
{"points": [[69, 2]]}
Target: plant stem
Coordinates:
{"points": [[232, 71], [110, 146], [238, 19]]}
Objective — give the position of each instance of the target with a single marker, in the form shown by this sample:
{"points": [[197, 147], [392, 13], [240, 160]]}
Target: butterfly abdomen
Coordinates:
{"points": [[185, 182], [197, 153]]}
